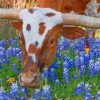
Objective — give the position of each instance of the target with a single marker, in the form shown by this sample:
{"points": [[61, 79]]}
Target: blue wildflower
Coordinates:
{"points": [[37, 95], [78, 90], [46, 93], [98, 95]]}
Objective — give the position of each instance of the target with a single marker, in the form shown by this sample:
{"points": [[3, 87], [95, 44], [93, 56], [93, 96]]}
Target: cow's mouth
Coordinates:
{"points": [[30, 78]]}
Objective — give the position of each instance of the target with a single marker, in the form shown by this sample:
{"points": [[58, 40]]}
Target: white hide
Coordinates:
{"points": [[34, 19]]}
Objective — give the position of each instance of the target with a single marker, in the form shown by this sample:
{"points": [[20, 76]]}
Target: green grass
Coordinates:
{"points": [[59, 92], [65, 91]]}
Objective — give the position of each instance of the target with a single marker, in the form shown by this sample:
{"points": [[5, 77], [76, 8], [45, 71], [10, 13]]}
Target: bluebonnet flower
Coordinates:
{"points": [[79, 45], [3, 43], [65, 64], [86, 59], [3, 95], [98, 59], [97, 66], [82, 84], [91, 41], [15, 69], [67, 59], [81, 60], [5, 61], [94, 68], [78, 90], [66, 75], [98, 95], [46, 93], [2, 55], [77, 61], [88, 96], [91, 67], [37, 95], [19, 55], [14, 42], [87, 89], [84, 88], [53, 74], [68, 62], [9, 52], [81, 54], [82, 70], [44, 74], [92, 55], [55, 65], [2, 91], [14, 90], [24, 90], [63, 44], [2, 49], [58, 55], [57, 81], [6, 97]]}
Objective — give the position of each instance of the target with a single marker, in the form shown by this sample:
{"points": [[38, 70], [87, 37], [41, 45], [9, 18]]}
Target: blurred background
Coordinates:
{"points": [[6, 31]]}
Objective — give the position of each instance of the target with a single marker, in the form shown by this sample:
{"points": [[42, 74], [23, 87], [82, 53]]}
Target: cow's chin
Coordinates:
{"points": [[29, 81], [30, 77]]}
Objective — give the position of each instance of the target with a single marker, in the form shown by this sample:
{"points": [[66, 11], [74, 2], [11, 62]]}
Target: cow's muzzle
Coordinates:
{"points": [[30, 78]]}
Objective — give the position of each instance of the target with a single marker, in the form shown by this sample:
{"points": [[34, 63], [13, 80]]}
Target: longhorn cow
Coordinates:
{"points": [[39, 30]]}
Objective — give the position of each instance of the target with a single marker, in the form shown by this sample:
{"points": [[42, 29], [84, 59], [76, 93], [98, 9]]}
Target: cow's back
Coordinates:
{"points": [[65, 6]]}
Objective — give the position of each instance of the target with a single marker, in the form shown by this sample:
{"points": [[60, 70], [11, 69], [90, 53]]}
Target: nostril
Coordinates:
{"points": [[20, 80], [35, 77], [32, 70]]}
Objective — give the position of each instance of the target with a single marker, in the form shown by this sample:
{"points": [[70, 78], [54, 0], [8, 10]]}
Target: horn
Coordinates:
{"points": [[9, 13], [81, 20]]}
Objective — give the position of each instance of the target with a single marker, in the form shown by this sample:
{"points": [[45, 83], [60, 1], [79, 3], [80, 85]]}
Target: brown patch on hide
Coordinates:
{"points": [[28, 27], [77, 6], [48, 48], [50, 14], [65, 6], [29, 62], [17, 25], [41, 28], [73, 32], [31, 11], [48, 3], [38, 52], [32, 48]]}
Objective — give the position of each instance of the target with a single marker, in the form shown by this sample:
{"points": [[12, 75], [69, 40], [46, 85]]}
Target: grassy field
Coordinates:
{"points": [[65, 81]]}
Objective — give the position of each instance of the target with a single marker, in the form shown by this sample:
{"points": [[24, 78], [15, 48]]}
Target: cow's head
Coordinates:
{"points": [[38, 36]]}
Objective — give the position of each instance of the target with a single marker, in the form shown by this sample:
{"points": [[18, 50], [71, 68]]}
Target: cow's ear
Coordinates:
{"points": [[17, 25], [73, 32]]}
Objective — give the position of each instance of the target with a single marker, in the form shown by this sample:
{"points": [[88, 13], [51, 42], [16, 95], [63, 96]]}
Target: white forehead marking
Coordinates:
{"points": [[34, 19]]}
